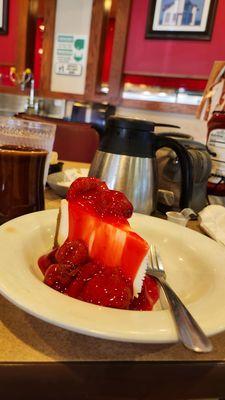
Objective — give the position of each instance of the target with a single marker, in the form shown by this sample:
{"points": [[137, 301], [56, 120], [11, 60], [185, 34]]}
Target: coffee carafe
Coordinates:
{"points": [[126, 161]]}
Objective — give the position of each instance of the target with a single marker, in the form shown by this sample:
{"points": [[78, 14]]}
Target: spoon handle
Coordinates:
{"points": [[189, 332]]}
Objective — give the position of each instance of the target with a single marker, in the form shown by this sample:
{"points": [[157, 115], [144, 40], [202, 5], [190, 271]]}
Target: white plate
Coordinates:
{"points": [[61, 181], [194, 265]]}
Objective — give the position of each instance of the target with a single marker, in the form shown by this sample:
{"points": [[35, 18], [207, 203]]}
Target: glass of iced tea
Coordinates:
{"points": [[25, 148]]}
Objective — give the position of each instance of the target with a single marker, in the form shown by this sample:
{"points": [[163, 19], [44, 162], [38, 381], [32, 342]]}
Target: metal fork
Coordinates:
{"points": [[189, 332]]}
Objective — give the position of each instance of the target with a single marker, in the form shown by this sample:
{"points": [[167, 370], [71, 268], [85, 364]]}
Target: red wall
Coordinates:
{"points": [[185, 57], [8, 42]]}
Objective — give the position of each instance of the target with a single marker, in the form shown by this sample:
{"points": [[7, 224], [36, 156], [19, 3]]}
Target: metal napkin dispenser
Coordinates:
{"points": [[169, 174]]}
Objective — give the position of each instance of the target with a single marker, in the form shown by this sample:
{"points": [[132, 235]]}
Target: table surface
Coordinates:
{"points": [[26, 339]]}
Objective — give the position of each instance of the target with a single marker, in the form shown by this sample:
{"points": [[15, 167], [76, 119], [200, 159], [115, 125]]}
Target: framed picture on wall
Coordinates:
{"points": [[181, 19], [4, 5]]}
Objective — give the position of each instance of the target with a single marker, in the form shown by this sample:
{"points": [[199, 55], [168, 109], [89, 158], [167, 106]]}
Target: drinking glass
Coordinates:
{"points": [[25, 148]]}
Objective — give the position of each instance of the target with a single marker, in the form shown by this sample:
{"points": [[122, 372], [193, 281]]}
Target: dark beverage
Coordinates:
{"points": [[21, 181]]}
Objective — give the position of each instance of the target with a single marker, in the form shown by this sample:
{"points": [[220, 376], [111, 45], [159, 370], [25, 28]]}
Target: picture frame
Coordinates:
{"points": [[4, 13], [181, 19]]}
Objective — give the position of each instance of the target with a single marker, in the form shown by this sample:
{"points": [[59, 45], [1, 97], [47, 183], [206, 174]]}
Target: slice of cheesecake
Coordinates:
{"points": [[99, 216]]}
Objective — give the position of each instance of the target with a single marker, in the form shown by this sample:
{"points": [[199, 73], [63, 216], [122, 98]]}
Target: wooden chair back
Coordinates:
{"points": [[74, 141]]}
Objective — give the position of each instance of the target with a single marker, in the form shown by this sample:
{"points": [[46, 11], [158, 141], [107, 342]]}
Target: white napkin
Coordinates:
{"points": [[71, 174], [212, 221]]}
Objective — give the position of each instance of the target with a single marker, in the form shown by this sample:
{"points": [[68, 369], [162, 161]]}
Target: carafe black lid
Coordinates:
{"points": [[116, 121], [130, 123]]}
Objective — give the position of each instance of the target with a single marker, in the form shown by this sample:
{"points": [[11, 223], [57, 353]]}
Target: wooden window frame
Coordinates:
{"points": [[95, 53]]}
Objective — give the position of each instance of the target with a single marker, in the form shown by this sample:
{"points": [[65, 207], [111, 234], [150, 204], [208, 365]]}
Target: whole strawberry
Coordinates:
{"points": [[84, 187], [113, 203], [59, 277], [72, 252], [46, 260]]}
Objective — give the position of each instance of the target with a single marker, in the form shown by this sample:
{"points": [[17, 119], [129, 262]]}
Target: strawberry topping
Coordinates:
{"points": [[82, 188], [148, 296], [95, 196], [59, 277], [102, 286], [113, 203], [72, 252], [46, 260]]}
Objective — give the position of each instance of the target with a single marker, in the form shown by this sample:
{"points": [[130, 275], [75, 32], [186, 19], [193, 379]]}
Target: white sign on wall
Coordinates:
{"points": [[70, 55], [71, 41]]}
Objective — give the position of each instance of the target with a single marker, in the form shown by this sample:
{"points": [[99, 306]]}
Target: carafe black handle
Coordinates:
{"points": [[185, 165]]}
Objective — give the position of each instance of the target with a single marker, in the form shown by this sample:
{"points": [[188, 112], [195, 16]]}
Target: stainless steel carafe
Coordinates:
{"points": [[126, 161]]}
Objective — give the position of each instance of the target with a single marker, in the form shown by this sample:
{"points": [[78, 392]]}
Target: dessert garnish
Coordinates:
{"points": [[98, 258]]}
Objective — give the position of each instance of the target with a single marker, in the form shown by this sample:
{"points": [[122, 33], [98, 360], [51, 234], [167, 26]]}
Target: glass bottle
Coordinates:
{"points": [[216, 147]]}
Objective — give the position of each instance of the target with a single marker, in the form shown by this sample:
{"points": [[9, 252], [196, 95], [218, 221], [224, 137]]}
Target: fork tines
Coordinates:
{"points": [[156, 261]]}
